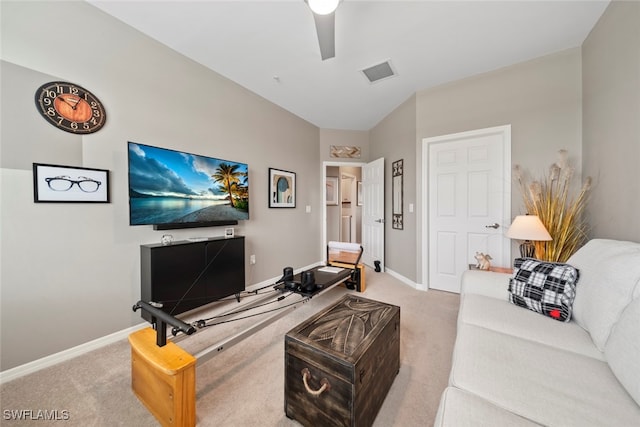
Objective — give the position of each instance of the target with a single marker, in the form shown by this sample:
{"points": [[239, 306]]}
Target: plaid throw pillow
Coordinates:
{"points": [[544, 287]]}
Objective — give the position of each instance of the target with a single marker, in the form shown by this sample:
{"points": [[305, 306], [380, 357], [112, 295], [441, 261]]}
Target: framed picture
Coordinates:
{"points": [[332, 191], [282, 189], [54, 183]]}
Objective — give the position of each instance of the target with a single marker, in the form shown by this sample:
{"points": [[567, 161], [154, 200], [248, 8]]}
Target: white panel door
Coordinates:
{"points": [[469, 203], [373, 213]]}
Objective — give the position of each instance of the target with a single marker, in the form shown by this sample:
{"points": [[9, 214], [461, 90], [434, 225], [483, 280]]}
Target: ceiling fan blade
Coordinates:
{"points": [[326, 29]]}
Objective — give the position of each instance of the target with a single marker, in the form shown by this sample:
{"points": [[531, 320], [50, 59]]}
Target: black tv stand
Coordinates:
{"points": [[186, 275]]}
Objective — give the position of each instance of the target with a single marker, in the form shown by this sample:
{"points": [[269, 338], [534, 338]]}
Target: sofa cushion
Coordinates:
{"points": [[489, 283], [460, 408], [623, 349], [609, 277], [546, 385], [500, 316], [544, 287]]}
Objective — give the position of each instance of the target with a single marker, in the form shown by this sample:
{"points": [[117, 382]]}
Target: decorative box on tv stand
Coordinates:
{"points": [[341, 362]]}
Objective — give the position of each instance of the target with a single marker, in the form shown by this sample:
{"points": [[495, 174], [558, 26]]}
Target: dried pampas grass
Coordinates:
{"points": [[560, 212]]}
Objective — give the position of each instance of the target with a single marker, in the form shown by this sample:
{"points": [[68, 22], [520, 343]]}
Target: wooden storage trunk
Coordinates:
{"points": [[341, 362]]}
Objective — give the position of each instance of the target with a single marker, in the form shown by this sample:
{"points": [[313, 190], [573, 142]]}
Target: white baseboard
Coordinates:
{"points": [[54, 359], [403, 279], [64, 355], [421, 287]]}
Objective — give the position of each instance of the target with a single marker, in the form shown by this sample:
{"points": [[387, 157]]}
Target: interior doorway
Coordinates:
{"points": [[350, 213], [342, 203], [362, 207]]}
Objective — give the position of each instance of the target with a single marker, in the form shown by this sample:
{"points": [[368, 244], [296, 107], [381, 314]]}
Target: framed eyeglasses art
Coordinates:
{"points": [[54, 183]]}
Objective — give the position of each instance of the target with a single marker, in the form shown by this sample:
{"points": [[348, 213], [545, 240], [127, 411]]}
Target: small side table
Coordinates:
{"points": [[508, 270]]}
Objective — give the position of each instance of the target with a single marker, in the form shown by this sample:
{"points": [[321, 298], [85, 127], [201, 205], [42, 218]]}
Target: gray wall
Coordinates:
{"points": [[611, 121], [78, 264], [394, 138], [541, 99]]}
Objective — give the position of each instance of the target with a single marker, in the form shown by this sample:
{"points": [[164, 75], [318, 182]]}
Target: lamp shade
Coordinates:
{"points": [[323, 7], [528, 227]]}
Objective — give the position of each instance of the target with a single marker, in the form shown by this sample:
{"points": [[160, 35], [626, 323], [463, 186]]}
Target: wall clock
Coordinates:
{"points": [[70, 107]]}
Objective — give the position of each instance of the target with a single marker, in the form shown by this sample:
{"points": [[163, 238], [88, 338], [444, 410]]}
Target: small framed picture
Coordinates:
{"points": [[282, 189], [332, 191], [54, 183], [229, 233]]}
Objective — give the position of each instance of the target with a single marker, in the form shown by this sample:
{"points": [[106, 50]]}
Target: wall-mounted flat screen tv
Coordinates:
{"points": [[173, 189]]}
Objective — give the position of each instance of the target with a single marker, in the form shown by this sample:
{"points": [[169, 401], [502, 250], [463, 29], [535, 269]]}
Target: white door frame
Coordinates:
{"points": [[426, 142], [324, 198]]}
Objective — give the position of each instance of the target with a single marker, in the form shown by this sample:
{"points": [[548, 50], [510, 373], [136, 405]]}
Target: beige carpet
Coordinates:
{"points": [[244, 385]]}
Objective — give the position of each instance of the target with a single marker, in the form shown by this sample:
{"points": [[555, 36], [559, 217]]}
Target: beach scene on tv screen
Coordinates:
{"points": [[167, 186]]}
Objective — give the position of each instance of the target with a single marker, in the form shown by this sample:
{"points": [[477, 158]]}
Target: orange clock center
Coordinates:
{"points": [[73, 108]]}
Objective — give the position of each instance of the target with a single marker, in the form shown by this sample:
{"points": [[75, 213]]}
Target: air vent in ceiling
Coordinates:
{"points": [[379, 72]]}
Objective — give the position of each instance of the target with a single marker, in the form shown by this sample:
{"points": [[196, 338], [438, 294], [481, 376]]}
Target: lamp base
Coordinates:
{"points": [[527, 249]]}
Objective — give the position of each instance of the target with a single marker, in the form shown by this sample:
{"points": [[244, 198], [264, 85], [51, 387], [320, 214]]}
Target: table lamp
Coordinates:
{"points": [[323, 7], [528, 228]]}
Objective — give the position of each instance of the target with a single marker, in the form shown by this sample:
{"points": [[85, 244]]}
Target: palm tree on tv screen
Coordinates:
{"points": [[241, 191], [229, 177]]}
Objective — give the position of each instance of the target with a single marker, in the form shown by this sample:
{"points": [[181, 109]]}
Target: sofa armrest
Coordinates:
{"points": [[488, 283]]}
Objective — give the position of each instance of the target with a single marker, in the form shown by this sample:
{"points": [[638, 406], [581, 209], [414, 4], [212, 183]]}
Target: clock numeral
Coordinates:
{"points": [[93, 121], [51, 111], [85, 125], [46, 101], [50, 94], [67, 123], [73, 90], [96, 113]]}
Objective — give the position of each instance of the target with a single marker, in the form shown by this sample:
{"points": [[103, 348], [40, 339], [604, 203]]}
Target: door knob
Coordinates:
{"points": [[494, 225], [381, 220]]}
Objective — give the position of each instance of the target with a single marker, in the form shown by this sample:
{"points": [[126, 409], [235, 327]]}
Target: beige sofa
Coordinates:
{"points": [[515, 367]]}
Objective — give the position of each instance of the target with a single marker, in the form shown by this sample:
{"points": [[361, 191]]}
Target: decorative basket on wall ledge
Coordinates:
{"points": [[561, 212]]}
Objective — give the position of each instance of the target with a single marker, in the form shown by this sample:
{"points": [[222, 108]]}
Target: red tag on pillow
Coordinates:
{"points": [[555, 313]]}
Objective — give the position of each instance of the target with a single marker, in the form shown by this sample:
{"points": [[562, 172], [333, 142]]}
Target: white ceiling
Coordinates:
{"points": [[270, 47]]}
